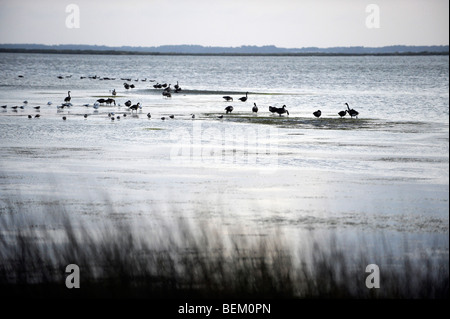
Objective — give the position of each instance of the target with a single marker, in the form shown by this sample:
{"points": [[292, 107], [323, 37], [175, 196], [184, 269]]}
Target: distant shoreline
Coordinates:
{"points": [[116, 52]]}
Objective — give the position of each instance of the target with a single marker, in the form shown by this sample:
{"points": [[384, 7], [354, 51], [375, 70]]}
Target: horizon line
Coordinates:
{"points": [[240, 46]]}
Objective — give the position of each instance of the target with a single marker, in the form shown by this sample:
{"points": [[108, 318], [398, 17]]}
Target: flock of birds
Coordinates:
{"points": [[282, 110], [167, 93]]}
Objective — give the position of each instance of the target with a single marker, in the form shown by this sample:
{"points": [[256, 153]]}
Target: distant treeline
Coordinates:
{"points": [[269, 50], [116, 52]]}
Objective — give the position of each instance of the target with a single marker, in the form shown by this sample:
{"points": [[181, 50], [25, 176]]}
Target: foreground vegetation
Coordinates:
{"points": [[193, 261]]}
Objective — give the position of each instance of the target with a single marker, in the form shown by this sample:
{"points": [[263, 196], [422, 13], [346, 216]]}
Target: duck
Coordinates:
{"points": [[244, 98], [36, 107], [37, 116], [255, 108], [317, 113], [114, 92], [229, 109], [64, 118], [172, 116], [149, 115], [193, 116], [29, 116], [220, 116], [128, 103], [227, 98], [85, 116]]}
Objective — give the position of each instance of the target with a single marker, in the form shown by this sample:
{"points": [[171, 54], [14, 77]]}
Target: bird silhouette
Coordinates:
{"points": [[68, 97], [317, 113], [244, 98], [229, 109], [352, 112]]}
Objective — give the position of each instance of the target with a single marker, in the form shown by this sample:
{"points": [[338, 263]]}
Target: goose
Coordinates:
{"points": [[114, 92], [68, 98], [172, 116], [25, 102], [135, 107], [255, 108], [166, 94], [29, 116], [85, 116], [132, 86], [229, 109], [193, 116], [244, 98], [37, 116], [272, 109], [177, 87], [14, 107], [163, 118], [64, 118], [342, 113], [149, 115], [109, 101], [317, 113], [126, 86], [352, 112], [282, 110], [128, 103], [227, 98], [101, 101]]}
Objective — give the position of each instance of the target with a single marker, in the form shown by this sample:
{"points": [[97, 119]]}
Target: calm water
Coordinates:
{"points": [[386, 171]]}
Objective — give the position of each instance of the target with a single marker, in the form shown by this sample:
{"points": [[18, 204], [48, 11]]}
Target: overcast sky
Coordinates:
{"points": [[284, 23]]}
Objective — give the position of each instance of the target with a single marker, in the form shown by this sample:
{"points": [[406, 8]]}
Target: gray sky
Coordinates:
{"points": [[284, 23]]}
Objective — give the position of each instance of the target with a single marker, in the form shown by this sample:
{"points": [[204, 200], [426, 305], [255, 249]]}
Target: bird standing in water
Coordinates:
{"points": [[229, 109], [255, 108]]}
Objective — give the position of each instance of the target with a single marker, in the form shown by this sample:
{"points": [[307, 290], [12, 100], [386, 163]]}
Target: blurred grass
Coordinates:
{"points": [[186, 260]]}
